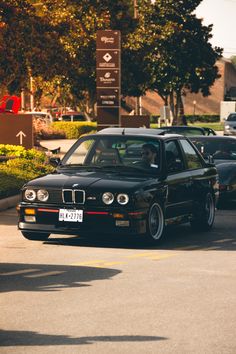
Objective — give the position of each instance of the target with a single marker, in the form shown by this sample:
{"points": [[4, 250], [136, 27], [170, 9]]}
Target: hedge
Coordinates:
{"points": [[26, 165], [73, 130]]}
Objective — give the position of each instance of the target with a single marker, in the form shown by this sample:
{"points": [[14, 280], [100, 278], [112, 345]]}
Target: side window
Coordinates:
{"points": [[193, 160], [174, 161]]}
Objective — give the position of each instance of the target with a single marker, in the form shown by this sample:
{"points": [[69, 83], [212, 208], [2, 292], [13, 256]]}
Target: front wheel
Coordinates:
{"points": [[35, 236], [204, 217], [155, 223]]}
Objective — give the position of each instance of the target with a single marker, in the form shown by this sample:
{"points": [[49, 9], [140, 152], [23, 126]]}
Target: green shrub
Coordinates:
{"points": [[15, 172], [10, 184], [204, 118], [73, 130], [20, 151]]}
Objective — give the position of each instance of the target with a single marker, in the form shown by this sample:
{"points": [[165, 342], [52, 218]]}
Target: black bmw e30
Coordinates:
{"points": [[104, 184]]}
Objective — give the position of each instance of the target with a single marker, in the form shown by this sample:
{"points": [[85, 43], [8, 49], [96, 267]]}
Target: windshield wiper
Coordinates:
{"points": [[80, 166]]}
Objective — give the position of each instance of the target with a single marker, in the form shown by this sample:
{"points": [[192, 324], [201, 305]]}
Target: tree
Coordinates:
{"points": [[29, 46], [182, 58]]}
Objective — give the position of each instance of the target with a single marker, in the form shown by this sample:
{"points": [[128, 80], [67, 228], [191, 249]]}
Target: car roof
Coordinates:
{"points": [[136, 132], [212, 137], [72, 113], [183, 127]]}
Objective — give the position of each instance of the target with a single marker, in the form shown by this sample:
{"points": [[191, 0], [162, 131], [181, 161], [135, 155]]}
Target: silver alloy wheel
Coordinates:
{"points": [[155, 222]]}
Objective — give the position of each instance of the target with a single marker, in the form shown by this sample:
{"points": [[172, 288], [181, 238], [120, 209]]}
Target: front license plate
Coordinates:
{"points": [[71, 215]]}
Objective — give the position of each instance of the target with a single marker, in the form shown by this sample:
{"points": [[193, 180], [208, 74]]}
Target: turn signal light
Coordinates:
{"points": [[118, 216], [29, 211]]}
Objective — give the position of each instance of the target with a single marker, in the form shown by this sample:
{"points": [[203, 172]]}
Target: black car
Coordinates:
{"points": [[223, 151], [121, 180], [186, 130]]}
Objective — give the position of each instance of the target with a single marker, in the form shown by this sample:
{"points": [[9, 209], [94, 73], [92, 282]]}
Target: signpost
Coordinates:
{"points": [[16, 129], [108, 78]]}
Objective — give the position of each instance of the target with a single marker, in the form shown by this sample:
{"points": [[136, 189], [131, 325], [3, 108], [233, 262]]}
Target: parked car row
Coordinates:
{"points": [[223, 151]]}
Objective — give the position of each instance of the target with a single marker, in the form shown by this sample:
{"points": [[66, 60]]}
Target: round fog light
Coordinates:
{"points": [[42, 195], [122, 199], [107, 198]]}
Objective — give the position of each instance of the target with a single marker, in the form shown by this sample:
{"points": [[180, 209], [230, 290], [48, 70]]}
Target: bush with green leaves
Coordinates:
{"points": [[73, 130], [26, 165], [19, 151]]}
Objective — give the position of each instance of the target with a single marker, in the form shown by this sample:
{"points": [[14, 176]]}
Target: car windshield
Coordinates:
{"points": [[114, 153], [73, 117], [186, 131], [222, 149], [231, 118]]}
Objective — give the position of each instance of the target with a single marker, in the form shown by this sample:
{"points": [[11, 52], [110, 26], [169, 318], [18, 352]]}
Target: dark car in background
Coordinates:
{"points": [[105, 184], [223, 151], [186, 130]]}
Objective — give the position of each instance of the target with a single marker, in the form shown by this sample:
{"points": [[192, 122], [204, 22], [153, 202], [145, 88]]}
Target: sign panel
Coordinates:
{"points": [[16, 129], [108, 78], [108, 116], [108, 39], [135, 121], [108, 97], [108, 59]]}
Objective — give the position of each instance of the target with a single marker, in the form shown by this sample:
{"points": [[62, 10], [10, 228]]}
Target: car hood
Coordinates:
{"points": [[85, 180]]}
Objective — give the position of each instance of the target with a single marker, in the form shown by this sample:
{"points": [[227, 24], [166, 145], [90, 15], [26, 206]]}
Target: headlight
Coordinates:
{"points": [[122, 199], [107, 198], [30, 195], [227, 127], [42, 195]]}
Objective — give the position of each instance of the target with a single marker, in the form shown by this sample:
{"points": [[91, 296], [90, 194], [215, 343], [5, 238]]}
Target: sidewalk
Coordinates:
{"points": [[9, 202]]}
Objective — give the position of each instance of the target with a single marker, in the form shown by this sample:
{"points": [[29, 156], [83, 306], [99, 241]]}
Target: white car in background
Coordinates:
{"points": [[230, 124], [41, 116]]}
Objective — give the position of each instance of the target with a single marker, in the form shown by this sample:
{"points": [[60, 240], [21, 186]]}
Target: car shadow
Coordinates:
{"points": [[30, 338], [221, 237], [46, 277]]}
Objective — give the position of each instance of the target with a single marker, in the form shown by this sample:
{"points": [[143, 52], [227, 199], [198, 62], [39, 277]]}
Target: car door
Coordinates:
{"points": [[196, 167], [179, 181]]}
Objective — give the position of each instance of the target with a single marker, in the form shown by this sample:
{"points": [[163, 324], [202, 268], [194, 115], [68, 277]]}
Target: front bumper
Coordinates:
{"points": [[230, 132], [94, 221]]}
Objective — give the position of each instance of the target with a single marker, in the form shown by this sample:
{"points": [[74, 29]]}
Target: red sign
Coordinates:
{"points": [[10, 104]]}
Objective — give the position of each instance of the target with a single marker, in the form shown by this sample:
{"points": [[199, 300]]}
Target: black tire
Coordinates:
{"points": [[204, 217], [35, 236], [155, 223]]}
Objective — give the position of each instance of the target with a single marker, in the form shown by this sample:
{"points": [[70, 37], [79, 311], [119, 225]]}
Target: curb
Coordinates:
{"points": [[9, 202]]}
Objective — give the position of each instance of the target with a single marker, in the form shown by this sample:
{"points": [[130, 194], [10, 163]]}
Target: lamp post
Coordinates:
{"points": [[138, 106], [194, 107]]}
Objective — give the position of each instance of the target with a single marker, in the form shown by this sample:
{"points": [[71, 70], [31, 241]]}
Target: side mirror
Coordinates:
{"points": [[54, 161], [209, 159]]}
